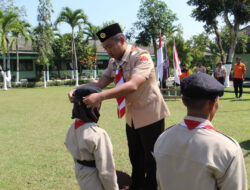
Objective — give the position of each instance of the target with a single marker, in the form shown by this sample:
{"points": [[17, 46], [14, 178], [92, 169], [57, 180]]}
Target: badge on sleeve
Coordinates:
{"points": [[144, 60]]}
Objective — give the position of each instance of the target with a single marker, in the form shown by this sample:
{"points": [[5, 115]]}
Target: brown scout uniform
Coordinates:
{"points": [[146, 105], [90, 142], [199, 159]]}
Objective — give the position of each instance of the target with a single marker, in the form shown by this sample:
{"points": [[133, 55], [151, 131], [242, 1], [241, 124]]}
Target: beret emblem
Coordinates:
{"points": [[103, 35]]}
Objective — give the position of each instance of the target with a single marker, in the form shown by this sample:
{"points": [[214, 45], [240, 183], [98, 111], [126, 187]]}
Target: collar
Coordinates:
{"points": [[126, 55], [196, 120], [79, 123]]}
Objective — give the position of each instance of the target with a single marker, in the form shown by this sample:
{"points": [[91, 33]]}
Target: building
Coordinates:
{"points": [[28, 69]]}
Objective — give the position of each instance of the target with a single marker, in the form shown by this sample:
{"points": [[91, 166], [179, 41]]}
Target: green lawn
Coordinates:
{"points": [[34, 122]]}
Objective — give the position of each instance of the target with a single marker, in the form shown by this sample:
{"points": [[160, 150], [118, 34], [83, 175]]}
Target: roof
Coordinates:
{"points": [[101, 51], [246, 30]]}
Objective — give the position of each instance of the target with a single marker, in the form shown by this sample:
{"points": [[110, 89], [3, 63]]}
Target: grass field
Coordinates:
{"points": [[34, 122]]}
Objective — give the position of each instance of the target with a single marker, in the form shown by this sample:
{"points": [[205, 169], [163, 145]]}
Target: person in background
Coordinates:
{"points": [[193, 155], [220, 73], [139, 98], [184, 72], [200, 68], [90, 146], [238, 77]]}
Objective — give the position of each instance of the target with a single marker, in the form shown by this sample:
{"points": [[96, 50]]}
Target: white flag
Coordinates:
{"points": [[160, 61]]}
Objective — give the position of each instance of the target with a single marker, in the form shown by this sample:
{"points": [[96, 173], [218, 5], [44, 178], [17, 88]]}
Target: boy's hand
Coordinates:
{"points": [[71, 95]]}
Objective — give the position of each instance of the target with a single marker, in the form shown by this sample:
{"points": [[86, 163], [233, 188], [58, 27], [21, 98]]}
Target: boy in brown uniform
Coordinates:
{"points": [[90, 146], [192, 155], [144, 104]]}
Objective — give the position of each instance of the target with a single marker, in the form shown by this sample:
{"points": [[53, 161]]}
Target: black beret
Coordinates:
{"points": [[201, 86], [108, 32], [85, 91]]}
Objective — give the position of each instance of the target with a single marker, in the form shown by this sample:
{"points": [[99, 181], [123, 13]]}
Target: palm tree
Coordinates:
{"points": [[20, 30], [91, 31], [8, 22], [73, 18]]}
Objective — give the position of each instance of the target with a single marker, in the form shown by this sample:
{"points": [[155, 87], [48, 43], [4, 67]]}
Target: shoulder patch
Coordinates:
{"points": [[132, 48], [144, 59]]}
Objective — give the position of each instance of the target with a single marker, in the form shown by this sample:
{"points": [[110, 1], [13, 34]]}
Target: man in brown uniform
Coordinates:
{"points": [[145, 106], [192, 155]]}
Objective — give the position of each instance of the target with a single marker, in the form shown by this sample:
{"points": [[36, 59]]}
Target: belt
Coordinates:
{"points": [[87, 163]]}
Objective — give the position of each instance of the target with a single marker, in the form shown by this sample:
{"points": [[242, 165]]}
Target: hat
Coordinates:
{"points": [[108, 32], [201, 86], [80, 110]]}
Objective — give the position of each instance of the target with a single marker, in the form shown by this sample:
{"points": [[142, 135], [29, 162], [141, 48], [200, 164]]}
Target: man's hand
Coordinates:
{"points": [[93, 100], [71, 95]]}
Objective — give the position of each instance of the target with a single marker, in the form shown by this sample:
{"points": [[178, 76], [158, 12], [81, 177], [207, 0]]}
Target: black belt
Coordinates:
{"points": [[87, 163]]}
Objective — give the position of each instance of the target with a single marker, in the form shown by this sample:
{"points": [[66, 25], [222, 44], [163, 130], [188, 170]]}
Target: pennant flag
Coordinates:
{"points": [[160, 61], [176, 63], [166, 69]]}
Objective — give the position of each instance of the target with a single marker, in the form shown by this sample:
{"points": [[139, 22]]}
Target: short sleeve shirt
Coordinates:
{"points": [[146, 105], [239, 70]]}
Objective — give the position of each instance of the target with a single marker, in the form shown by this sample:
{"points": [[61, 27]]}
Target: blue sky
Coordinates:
{"points": [[122, 11]]}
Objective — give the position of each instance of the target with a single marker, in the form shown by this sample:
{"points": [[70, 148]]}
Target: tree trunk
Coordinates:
{"points": [[234, 36], [17, 62], [72, 54], [8, 70], [44, 76], [4, 73], [219, 42], [47, 72], [76, 66]]}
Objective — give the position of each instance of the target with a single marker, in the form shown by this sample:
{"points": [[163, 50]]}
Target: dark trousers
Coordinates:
{"points": [[141, 144], [221, 80], [238, 85]]}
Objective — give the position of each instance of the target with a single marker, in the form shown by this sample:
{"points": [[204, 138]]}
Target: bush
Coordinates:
{"points": [[66, 82]]}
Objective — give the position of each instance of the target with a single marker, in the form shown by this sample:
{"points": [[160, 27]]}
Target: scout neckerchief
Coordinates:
{"points": [[218, 73], [121, 109], [78, 123], [191, 124]]}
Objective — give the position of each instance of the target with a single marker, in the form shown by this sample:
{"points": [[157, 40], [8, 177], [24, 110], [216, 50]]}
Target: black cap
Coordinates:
{"points": [[108, 32], [85, 91], [80, 110], [201, 86]]}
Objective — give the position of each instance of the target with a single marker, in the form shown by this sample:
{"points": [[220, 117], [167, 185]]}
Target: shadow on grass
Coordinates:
{"points": [[234, 111], [235, 100], [245, 145]]}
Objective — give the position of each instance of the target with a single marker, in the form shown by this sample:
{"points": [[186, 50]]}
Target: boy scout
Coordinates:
{"points": [[192, 154], [144, 105], [90, 146]]}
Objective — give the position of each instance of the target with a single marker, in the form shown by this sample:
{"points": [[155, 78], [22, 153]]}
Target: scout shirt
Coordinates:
{"points": [[239, 70], [198, 159], [89, 142], [220, 72], [146, 105]]}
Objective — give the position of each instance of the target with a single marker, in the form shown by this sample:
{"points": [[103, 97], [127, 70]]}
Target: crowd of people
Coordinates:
{"points": [[189, 155]]}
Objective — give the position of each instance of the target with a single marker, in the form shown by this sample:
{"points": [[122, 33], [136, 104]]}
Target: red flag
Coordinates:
{"points": [[176, 63]]}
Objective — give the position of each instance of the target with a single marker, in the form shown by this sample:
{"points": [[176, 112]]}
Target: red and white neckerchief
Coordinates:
{"points": [[78, 123], [121, 108], [218, 72], [191, 124]]}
